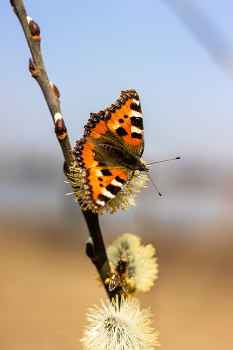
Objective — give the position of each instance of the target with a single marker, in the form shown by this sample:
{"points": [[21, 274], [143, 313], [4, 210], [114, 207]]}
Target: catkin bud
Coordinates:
{"points": [[55, 90], [33, 26], [60, 127], [32, 66]]}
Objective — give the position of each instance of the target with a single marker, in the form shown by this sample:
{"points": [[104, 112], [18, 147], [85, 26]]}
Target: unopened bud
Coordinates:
{"points": [[12, 3], [33, 26], [55, 90], [90, 249], [32, 66], [60, 127]]}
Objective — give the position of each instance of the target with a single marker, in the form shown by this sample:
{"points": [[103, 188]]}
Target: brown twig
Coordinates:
{"points": [[51, 94]]}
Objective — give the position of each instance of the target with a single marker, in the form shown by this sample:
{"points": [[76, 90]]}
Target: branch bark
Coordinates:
{"points": [[37, 68]]}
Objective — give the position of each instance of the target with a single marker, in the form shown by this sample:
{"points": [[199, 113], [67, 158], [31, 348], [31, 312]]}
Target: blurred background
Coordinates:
{"points": [[178, 56]]}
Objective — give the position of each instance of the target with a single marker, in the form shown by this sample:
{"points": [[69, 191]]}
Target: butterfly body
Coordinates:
{"points": [[110, 150]]}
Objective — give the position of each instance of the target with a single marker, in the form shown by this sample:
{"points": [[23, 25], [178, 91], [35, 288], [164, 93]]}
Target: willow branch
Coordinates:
{"points": [[51, 95]]}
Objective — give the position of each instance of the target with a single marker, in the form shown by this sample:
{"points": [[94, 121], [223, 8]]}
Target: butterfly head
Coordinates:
{"points": [[142, 167]]}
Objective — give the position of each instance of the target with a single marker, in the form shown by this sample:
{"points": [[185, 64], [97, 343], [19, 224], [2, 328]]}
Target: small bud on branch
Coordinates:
{"points": [[12, 3], [60, 127], [33, 26], [55, 90], [90, 249], [32, 66]]}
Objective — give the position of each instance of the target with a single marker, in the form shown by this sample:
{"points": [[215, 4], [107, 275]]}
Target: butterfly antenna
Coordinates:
{"points": [[154, 185], [165, 160]]}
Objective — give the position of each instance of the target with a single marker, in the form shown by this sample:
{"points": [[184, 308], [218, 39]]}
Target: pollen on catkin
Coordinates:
{"points": [[120, 325], [141, 261]]}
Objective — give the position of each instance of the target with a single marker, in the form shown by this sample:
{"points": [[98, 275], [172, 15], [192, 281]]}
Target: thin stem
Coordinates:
{"points": [[38, 71]]}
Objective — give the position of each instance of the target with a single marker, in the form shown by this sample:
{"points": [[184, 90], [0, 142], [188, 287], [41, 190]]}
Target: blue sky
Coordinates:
{"points": [[94, 49]]}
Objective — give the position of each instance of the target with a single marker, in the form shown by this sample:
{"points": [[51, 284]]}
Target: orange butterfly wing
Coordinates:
{"points": [[121, 123], [102, 184]]}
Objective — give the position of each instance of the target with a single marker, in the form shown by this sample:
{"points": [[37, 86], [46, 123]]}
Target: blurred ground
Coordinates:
{"points": [[47, 283]]}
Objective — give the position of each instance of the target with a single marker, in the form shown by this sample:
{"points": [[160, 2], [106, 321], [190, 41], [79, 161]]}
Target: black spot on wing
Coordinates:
{"points": [[137, 121], [103, 198], [136, 107], [121, 131], [118, 179], [135, 135], [113, 189], [106, 172]]}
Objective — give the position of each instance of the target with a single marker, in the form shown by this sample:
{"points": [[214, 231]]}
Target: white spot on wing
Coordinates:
{"points": [[135, 129], [107, 193], [116, 125], [98, 172], [102, 203], [136, 114], [136, 101], [116, 183]]}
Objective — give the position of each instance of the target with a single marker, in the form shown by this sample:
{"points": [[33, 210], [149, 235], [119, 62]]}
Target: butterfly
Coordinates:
{"points": [[109, 152]]}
